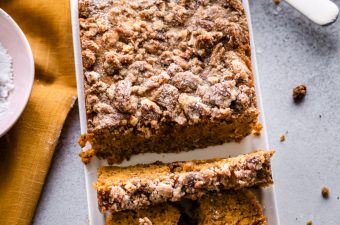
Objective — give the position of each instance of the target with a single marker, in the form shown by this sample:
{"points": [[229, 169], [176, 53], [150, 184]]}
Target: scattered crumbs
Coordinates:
{"points": [[83, 140], [325, 192], [277, 2], [299, 93], [86, 156], [257, 129], [309, 222], [282, 138]]}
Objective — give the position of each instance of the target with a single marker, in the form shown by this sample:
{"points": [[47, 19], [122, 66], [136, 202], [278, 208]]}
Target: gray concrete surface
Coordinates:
{"points": [[290, 51]]}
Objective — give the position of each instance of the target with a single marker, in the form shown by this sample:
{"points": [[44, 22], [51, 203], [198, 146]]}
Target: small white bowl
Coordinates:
{"points": [[14, 40]]}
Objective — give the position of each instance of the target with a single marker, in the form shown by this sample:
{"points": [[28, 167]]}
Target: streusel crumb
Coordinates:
{"points": [[277, 2], [86, 156], [325, 192], [299, 93], [257, 129], [282, 138]]}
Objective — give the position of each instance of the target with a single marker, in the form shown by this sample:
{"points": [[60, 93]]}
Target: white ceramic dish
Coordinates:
{"points": [[14, 40], [322, 12], [266, 196]]}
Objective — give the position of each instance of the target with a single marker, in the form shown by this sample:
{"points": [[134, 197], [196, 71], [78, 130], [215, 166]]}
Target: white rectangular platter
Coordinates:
{"points": [[265, 196]]}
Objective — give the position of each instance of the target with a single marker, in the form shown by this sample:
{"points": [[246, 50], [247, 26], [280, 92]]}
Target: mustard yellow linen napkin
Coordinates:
{"points": [[26, 150]]}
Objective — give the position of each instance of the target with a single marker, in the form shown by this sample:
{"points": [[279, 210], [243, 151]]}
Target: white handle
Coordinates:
{"points": [[322, 12]]}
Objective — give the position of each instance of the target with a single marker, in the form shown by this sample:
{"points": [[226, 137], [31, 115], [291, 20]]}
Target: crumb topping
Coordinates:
{"points": [[282, 138], [144, 221], [86, 156], [234, 173], [299, 93], [257, 129], [83, 139], [147, 62], [325, 192], [277, 2]]}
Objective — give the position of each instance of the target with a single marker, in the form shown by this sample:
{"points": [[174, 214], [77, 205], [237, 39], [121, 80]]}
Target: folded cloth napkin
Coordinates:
{"points": [[26, 150]]}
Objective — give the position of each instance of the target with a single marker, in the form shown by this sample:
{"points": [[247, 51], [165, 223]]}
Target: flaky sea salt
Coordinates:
{"points": [[6, 80]]}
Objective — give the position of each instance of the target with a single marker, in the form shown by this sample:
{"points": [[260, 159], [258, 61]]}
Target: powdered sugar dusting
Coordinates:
{"points": [[6, 80]]}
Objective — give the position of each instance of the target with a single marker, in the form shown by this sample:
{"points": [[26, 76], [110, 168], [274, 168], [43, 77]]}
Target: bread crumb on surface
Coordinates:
{"points": [[282, 138], [277, 2], [82, 140], [257, 129], [325, 192], [299, 92], [86, 156], [309, 222]]}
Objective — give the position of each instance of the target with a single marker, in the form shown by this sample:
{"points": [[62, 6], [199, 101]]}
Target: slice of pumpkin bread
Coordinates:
{"points": [[162, 214], [134, 187], [232, 208]]}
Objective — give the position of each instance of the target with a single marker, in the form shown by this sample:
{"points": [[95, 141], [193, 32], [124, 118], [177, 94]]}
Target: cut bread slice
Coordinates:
{"points": [[230, 208], [134, 187], [163, 214]]}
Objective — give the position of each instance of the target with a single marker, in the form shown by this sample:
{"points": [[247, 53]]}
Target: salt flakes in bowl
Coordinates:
{"points": [[6, 80]]}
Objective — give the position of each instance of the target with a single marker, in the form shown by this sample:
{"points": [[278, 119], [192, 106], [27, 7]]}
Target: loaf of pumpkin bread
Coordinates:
{"points": [[165, 76]]}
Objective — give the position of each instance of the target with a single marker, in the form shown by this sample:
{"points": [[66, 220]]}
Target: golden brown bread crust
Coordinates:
{"points": [[158, 70], [128, 188], [163, 214], [232, 207]]}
